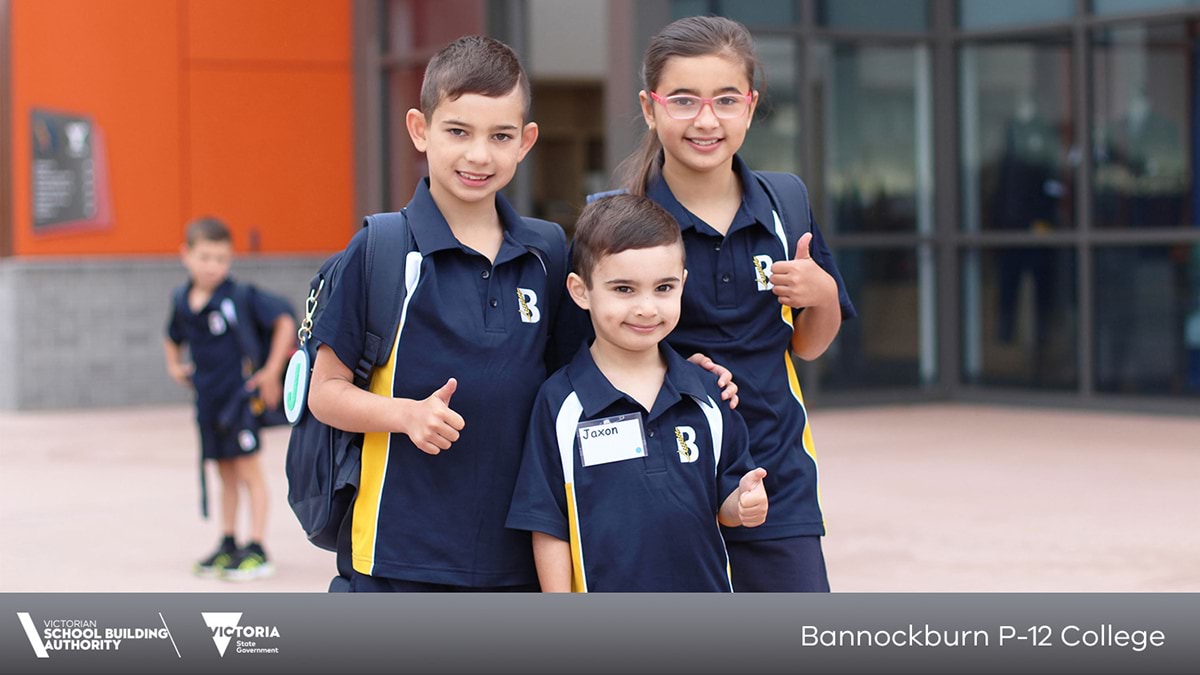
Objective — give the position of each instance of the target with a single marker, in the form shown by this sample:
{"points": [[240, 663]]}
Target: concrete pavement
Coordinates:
{"points": [[916, 498]]}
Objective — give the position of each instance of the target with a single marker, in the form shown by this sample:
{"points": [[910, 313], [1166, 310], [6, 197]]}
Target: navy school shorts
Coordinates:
{"points": [[789, 565], [215, 444], [362, 583]]}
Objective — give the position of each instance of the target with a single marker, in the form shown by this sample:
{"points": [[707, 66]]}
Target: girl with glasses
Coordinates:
{"points": [[755, 295]]}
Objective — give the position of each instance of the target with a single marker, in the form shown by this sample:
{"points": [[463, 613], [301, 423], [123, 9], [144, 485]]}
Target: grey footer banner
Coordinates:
{"points": [[894, 633]]}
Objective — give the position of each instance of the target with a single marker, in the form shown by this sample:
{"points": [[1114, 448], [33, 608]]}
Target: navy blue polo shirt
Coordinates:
{"points": [[440, 519], [642, 524], [211, 336], [730, 314]]}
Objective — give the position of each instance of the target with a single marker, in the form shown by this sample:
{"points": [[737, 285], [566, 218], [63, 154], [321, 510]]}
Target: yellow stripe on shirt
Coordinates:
{"points": [[807, 441], [578, 580]]}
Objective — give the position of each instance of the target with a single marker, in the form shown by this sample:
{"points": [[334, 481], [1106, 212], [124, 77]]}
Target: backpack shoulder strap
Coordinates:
{"points": [[556, 258], [790, 197], [389, 240], [607, 193], [247, 339]]}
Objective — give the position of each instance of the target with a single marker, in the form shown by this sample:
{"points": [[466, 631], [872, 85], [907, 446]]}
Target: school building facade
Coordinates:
{"points": [[1009, 188]]}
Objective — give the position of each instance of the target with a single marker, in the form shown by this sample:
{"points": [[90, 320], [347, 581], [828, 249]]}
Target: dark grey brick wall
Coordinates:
{"points": [[84, 333]]}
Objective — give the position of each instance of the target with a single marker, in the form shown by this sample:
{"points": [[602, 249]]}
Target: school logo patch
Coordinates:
{"points": [[762, 272], [527, 305], [685, 438], [246, 440], [217, 324]]}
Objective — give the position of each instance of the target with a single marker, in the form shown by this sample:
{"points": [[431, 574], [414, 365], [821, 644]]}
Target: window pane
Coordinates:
{"points": [[1148, 320], [773, 143], [893, 15], [1128, 6], [874, 139], [425, 26], [1016, 153], [1020, 317], [684, 8], [775, 13], [1144, 90], [990, 14], [890, 344]]}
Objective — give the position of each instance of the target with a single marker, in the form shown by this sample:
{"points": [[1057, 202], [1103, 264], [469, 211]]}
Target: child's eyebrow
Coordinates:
{"points": [[465, 125], [723, 90], [631, 282]]}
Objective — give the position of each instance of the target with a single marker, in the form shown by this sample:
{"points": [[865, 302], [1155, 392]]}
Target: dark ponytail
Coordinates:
{"points": [[691, 36]]}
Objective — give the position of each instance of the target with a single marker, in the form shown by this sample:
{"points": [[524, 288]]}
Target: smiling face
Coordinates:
{"points": [[472, 144], [705, 142], [633, 298]]}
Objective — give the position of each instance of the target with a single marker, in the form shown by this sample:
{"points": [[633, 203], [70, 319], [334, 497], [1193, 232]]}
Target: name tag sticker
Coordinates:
{"points": [[612, 439]]}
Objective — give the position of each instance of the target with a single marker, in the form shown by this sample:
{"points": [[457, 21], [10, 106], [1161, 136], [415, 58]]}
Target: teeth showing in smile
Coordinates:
{"points": [[472, 176], [710, 141]]}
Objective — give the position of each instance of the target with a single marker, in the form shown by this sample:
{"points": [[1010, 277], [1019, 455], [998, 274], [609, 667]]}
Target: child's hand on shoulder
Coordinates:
{"points": [[181, 373], [800, 282], [752, 498], [431, 424], [724, 377]]}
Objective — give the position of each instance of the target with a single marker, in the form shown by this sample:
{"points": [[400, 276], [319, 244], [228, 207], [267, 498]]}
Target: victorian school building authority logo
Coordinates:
{"points": [[87, 635]]}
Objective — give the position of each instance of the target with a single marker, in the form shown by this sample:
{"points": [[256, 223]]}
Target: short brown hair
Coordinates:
{"points": [[473, 65], [619, 223], [207, 228]]}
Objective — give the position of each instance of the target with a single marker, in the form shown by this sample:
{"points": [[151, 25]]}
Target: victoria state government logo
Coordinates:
{"points": [[226, 627]]}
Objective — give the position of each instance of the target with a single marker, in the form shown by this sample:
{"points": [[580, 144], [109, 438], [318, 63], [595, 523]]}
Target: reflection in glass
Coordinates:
{"points": [[773, 143], [758, 13], [875, 138], [1128, 6], [991, 14], [1143, 95], [1148, 320], [1020, 322], [890, 15], [891, 343], [1016, 154], [421, 27]]}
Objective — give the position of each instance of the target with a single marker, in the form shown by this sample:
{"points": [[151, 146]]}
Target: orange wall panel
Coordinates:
{"points": [[297, 31], [116, 62], [271, 151], [238, 108]]}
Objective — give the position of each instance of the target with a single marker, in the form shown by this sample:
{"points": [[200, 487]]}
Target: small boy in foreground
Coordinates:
{"points": [[630, 459]]}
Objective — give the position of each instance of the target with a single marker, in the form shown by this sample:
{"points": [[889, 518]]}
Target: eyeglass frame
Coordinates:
{"points": [[662, 100]]}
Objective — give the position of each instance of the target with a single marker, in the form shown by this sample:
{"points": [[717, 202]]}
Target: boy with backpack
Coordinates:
{"points": [[234, 381], [631, 461], [443, 419]]}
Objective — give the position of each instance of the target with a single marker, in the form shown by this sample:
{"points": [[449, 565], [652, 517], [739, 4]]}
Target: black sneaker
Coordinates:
{"points": [[214, 565], [248, 564]]}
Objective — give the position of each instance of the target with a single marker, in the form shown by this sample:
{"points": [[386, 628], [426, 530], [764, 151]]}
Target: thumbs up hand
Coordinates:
{"points": [[800, 282], [752, 498], [431, 424]]}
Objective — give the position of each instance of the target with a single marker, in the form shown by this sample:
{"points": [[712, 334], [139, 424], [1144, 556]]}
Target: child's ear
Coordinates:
{"points": [[683, 280], [647, 108], [753, 107], [529, 136], [418, 128], [578, 290]]}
